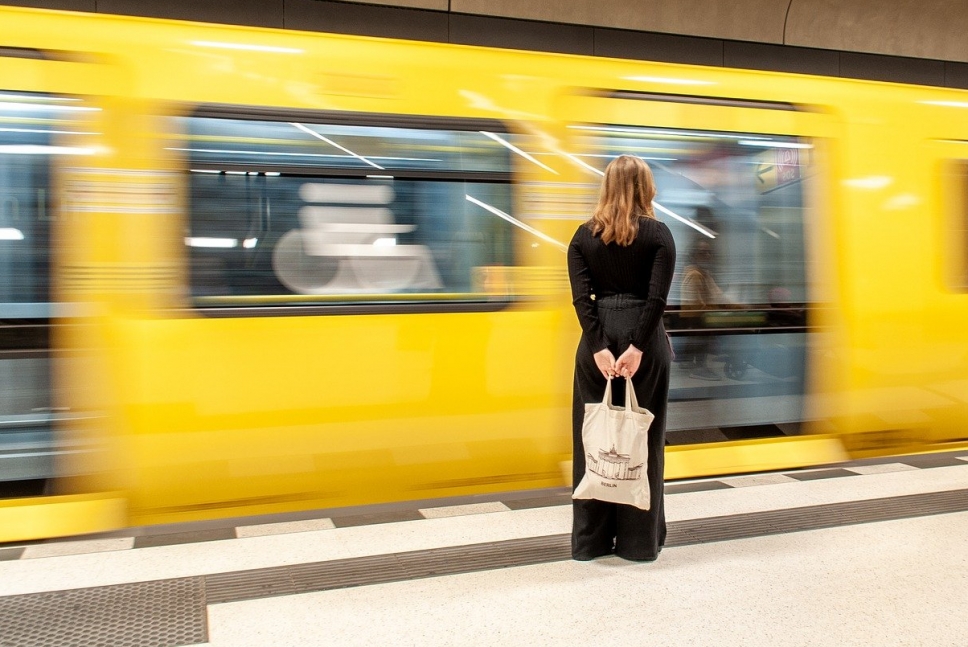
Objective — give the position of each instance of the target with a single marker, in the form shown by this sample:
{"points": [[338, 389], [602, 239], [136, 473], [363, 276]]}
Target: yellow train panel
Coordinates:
{"points": [[191, 415]]}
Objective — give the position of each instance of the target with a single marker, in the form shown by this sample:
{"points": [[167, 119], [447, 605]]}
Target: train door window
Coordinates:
{"points": [[28, 123], [735, 203], [956, 237], [31, 129], [735, 199], [349, 211]]}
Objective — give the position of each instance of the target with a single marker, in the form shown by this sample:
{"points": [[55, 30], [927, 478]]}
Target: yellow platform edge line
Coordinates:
{"points": [[758, 455], [60, 516]]}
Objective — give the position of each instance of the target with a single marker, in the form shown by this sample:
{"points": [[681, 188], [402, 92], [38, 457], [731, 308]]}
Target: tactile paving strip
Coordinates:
{"points": [[758, 524], [164, 613], [381, 569]]}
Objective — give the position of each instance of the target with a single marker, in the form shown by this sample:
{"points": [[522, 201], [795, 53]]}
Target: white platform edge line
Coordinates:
{"points": [[20, 576]]}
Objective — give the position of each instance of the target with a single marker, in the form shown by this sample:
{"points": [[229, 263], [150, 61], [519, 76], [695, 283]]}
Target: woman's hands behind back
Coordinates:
{"points": [[605, 362], [628, 363]]}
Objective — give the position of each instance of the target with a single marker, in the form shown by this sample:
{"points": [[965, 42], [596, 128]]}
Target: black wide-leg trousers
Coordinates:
{"points": [[598, 525]]}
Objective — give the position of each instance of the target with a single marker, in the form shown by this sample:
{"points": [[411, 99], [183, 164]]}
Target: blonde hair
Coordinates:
{"points": [[628, 189]]}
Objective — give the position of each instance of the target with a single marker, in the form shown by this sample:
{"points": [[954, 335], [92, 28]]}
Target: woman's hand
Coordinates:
{"points": [[629, 362], [605, 362]]}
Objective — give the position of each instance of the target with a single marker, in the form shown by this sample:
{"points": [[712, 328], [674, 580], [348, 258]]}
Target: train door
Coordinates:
{"points": [[941, 362], [27, 416], [739, 184], [47, 100], [40, 130]]}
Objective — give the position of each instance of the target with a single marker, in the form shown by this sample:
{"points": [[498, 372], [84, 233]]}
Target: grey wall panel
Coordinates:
{"points": [[756, 20], [891, 68], [65, 5], [929, 29], [256, 13], [366, 20], [814, 26], [933, 29], [778, 58], [646, 46], [956, 75], [517, 34]]}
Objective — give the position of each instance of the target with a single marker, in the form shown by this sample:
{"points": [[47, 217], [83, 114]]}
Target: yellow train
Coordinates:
{"points": [[248, 271]]}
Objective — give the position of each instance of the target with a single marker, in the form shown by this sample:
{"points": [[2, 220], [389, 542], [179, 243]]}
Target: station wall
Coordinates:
{"points": [[915, 41]]}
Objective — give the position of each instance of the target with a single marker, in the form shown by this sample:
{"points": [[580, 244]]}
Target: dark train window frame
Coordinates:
{"points": [[358, 303]]}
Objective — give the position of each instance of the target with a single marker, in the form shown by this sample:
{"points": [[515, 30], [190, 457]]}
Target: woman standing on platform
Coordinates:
{"points": [[620, 264]]}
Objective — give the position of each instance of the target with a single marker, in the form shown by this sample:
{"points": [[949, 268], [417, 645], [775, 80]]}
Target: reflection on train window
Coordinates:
{"points": [[28, 124], [309, 213], [735, 205]]}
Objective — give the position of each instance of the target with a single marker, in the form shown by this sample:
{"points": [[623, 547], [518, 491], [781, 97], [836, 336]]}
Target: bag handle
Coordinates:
{"points": [[607, 400], [631, 402]]}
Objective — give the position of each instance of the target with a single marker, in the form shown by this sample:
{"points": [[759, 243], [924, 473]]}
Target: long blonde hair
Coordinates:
{"points": [[628, 189]]}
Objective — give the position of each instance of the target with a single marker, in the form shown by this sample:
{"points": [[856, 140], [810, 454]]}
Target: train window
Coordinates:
{"points": [[324, 212], [28, 124], [735, 203]]}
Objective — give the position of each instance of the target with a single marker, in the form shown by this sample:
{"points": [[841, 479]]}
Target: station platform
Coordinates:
{"points": [[866, 553]]}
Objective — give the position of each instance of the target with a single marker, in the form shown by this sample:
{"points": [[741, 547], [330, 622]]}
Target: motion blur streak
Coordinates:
{"points": [[210, 304]]}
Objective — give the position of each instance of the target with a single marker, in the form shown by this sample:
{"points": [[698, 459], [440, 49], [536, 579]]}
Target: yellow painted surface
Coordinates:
{"points": [[752, 456], [60, 516], [197, 417]]}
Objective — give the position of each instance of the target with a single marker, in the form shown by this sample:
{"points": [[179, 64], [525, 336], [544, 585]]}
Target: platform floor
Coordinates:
{"points": [[873, 553]]}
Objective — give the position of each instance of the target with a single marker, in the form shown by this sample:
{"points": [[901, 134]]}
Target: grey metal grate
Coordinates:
{"points": [[164, 613]]}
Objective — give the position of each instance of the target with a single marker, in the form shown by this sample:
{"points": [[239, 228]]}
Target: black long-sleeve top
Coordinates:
{"points": [[643, 269]]}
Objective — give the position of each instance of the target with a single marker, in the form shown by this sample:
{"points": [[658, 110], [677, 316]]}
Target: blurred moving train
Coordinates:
{"points": [[247, 271]]}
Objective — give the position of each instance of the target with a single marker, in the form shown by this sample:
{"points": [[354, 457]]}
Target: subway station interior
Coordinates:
{"points": [[291, 292]]}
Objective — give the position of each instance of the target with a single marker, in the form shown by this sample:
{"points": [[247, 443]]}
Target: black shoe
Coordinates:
{"points": [[637, 559], [587, 557], [640, 559]]}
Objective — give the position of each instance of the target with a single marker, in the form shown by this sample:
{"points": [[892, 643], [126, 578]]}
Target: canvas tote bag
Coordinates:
{"points": [[615, 441]]}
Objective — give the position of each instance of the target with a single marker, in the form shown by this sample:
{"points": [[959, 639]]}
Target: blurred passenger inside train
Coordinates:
{"points": [[700, 293]]}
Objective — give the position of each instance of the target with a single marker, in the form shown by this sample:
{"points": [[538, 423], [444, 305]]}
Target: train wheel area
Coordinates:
{"points": [[856, 553]]}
